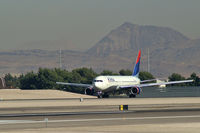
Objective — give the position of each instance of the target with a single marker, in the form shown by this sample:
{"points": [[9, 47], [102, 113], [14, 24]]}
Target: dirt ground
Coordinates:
{"points": [[6, 94], [38, 94]]}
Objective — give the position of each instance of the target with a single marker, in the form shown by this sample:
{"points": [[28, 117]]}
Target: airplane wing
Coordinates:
{"points": [[164, 83], [74, 84], [150, 80], [156, 84]]}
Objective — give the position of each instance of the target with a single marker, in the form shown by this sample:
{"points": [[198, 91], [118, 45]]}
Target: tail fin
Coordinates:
{"points": [[137, 65]]}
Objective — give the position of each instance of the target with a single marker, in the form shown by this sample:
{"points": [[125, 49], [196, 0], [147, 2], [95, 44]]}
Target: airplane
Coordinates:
{"points": [[102, 86]]}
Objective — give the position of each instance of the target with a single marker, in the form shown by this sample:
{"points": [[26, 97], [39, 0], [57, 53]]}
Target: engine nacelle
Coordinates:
{"points": [[136, 90], [89, 91]]}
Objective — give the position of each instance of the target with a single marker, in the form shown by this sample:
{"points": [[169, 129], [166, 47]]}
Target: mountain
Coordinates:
{"points": [[170, 51], [131, 36]]}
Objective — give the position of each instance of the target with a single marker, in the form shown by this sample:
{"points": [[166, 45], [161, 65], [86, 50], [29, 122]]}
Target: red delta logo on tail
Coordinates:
{"points": [[137, 65]]}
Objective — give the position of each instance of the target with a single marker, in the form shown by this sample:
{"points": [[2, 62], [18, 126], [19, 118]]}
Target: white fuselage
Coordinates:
{"points": [[109, 83]]}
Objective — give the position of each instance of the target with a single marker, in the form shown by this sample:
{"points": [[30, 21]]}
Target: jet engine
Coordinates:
{"points": [[136, 90], [89, 91]]}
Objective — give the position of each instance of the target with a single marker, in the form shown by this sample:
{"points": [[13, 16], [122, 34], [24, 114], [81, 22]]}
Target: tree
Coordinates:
{"points": [[176, 77], [125, 72], [47, 78], [8, 79], [107, 72], [63, 74], [196, 79], [87, 75], [11, 81], [29, 81], [143, 75]]}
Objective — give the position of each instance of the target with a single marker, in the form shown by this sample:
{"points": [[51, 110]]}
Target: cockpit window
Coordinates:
{"points": [[98, 80]]}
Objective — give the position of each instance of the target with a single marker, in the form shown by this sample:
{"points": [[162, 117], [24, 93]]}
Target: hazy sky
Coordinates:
{"points": [[79, 24]]}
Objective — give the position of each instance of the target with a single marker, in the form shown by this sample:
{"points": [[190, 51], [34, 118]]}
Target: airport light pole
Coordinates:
{"points": [[60, 59]]}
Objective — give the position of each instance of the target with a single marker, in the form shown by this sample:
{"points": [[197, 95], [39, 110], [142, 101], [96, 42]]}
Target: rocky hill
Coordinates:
{"points": [[170, 51], [130, 36]]}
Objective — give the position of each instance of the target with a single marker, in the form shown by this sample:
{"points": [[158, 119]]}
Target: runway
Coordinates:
{"points": [[168, 115], [93, 105], [99, 120]]}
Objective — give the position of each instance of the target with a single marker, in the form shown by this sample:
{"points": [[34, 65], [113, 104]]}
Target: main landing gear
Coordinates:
{"points": [[132, 96], [100, 95]]}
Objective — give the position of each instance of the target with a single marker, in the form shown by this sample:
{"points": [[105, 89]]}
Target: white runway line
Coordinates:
{"points": [[14, 121], [88, 120], [135, 118]]}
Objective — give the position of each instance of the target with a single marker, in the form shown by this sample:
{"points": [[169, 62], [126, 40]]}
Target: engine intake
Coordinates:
{"points": [[89, 91], [136, 90]]}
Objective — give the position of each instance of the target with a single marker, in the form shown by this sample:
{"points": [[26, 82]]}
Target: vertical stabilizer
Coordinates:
{"points": [[137, 65]]}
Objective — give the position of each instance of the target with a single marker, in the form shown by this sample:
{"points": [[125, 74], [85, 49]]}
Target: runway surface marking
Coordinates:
{"points": [[87, 120], [14, 121]]}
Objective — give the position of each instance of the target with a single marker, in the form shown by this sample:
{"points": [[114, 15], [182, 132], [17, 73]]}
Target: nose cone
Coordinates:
{"points": [[99, 82], [97, 85]]}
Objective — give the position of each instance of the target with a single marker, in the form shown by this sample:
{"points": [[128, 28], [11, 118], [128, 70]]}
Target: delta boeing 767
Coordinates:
{"points": [[102, 86]]}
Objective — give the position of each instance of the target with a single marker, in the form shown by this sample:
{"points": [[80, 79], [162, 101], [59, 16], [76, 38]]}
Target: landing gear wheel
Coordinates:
{"points": [[132, 96], [99, 96]]}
